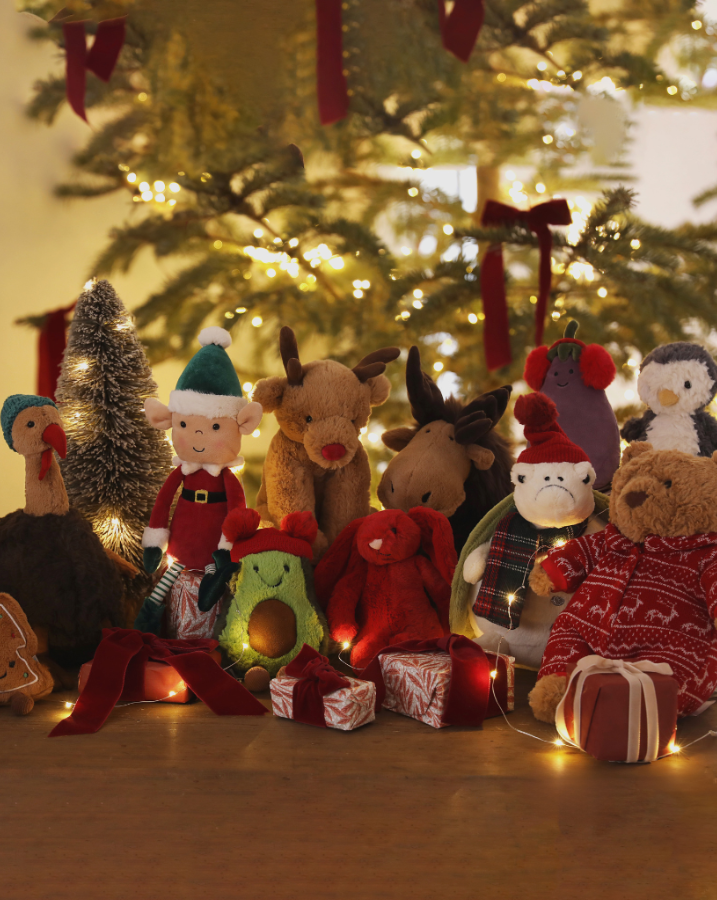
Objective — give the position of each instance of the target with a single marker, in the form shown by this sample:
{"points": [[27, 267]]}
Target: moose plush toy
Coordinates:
{"points": [[553, 502], [574, 375], [452, 460], [208, 416], [377, 586], [316, 462], [646, 586]]}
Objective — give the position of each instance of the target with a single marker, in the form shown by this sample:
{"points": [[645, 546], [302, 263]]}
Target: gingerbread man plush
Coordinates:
{"points": [[208, 416], [387, 579], [22, 678]]}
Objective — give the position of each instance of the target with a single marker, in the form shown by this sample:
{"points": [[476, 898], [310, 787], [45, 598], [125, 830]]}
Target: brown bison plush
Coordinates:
{"points": [[316, 462]]}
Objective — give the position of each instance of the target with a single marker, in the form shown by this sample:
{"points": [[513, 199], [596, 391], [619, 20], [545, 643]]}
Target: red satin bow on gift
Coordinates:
{"points": [[459, 32], [496, 334], [100, 60], [118, 668], [317, 678], [469, 691]]}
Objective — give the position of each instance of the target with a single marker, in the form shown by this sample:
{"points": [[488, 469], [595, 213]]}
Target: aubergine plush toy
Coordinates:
{"points": [[574, 375]]}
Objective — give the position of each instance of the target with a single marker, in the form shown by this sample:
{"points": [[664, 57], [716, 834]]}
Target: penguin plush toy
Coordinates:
{"points": [[677, 381]]}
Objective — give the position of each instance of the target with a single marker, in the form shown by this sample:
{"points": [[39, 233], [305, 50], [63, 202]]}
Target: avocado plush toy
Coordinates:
{"points": [[273, 610]]}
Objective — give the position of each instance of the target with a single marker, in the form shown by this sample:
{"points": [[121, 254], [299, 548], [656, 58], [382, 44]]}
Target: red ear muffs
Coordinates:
{"points": [[536, 367], [241, 524], [596, 367], [300, 525]]}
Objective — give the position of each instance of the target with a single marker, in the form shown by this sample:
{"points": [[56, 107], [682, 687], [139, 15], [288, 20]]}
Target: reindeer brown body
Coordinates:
{"points": [[316, 462], [452, 460]]}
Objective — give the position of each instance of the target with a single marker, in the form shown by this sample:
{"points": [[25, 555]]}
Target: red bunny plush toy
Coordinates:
{"points": [[379, 589]]}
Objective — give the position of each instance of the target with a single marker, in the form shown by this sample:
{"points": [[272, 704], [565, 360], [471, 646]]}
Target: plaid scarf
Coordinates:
{"points": [[514, 546]]}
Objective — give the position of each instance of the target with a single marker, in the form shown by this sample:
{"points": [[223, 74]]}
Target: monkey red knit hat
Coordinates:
{"points": [[547, 442], [297, 533]]}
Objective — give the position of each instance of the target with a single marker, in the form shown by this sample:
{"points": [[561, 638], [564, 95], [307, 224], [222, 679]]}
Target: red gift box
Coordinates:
{"points": [[345, 709], [626, 712], [161, 682], [417, 684]]}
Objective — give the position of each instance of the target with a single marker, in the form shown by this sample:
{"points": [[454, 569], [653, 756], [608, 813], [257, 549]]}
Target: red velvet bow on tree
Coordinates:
{"points": [[469, 692], [459, 32], [317, 678], [496, 333], [51, 349], [101, 59], [118, 669]]}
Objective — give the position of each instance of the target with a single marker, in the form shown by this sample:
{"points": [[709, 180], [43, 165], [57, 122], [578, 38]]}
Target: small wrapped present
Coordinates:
{"points": [[450, 681], [161, 682], [619, 711], [119, 671], [313, 692]]}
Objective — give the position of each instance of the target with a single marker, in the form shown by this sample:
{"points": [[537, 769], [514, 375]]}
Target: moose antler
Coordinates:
{"points": [[289, 350], [427, 403], [481, 415], [375, 363]]}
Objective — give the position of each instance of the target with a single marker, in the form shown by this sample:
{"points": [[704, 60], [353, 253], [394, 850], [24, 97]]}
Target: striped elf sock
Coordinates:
{"points": [[165, 583]]}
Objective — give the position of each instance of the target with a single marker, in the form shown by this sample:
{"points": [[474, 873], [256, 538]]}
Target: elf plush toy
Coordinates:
{"points": [[553, 501], [208, 416]]}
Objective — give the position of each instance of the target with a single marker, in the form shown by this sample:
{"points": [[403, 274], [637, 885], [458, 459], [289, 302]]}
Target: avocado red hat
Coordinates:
{"points": [[296, 535], [547, 442]]}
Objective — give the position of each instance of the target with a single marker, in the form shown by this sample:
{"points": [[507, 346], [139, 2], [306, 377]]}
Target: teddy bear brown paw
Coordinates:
{"points": [[546, 695], [540, 582]]}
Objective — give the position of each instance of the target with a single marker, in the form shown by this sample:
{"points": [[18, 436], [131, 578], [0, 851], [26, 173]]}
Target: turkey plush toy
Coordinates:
{"points": [[574, 375], [646, 586], [386, 579], [677, 381]]}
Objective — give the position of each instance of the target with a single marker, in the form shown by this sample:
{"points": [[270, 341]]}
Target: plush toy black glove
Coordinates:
{"points": [[151, 558], [214, 583]]}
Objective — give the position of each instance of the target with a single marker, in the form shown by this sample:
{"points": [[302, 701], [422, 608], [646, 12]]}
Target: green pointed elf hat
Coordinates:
{"points": [[209, 386]]}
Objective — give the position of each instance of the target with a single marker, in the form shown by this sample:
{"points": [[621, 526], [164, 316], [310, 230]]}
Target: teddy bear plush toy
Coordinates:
{"points": [[676, 381], [646, 586], [386, 579], [553, 501], [574, 375], [208, 416]]}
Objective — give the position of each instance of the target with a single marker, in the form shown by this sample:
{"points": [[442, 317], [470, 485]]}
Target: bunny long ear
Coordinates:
{"points": [[241, 524], [301, 525], [436, 539], [335, 562]]}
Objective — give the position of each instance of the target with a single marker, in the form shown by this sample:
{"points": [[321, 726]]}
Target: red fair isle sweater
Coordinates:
{"points": [[656, 600]]}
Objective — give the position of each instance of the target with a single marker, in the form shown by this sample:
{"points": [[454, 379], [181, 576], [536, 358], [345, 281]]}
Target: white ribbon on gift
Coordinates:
{"points": [[640, 685]]}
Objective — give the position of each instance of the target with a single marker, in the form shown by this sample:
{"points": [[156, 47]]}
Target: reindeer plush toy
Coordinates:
{"points": [[316, 462], [208, 416], [379, 588], [452, 460]]}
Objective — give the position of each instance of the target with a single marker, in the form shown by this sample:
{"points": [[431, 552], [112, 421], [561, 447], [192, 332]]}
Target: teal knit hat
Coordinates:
{"points": [[209, 386], [14, 405]]}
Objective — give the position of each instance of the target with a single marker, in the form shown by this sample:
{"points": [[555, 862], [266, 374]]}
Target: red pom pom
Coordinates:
{"points": [[241, 524], [536, 367], [535, 410], [300, 525], [596, 367]]}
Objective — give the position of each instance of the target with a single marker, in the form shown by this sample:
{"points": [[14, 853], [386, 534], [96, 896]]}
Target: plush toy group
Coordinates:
{"points": [[542, 575]]}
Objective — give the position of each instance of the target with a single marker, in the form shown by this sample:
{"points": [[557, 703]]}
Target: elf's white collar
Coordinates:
{"points": [[188, 468]]}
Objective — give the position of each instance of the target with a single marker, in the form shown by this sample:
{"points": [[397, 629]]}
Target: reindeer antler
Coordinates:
{"points": [[375, 363], [289, 350], [427, 403]]}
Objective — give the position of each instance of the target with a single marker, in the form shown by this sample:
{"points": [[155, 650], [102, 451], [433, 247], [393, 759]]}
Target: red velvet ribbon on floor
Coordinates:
{"points": [[317, 678], [50, 350], [118, 668], [100, 59], [469, 691], [496, 335], [459, 32]]}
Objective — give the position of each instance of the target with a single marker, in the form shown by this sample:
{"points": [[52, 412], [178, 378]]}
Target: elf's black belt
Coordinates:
{"points": [[204, 496]]}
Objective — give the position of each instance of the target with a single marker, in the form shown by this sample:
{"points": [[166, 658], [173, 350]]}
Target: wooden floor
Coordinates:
{"points": [[174, 802]]}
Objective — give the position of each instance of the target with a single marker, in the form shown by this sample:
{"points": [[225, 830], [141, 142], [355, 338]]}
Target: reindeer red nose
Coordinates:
{"points": [[56, 438], [333, 451]]}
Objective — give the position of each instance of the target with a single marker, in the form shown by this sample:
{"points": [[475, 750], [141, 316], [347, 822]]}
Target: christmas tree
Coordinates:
{"points": [[116, 462], [348, 239]]}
